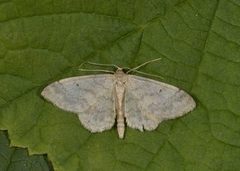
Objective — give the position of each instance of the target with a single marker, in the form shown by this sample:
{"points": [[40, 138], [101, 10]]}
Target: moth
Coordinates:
{"points": [[101, 99]]}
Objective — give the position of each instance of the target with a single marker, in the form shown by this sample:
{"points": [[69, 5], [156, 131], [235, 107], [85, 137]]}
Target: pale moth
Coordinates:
{"points": [[100, 99]]}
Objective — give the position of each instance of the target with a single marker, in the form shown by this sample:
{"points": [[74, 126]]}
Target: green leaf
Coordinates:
{"points": [[42, 41], [17, 158]]}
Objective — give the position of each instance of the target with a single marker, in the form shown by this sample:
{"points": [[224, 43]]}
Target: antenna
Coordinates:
{"points": [[152, 75], [135, 69], [143, 64], [99, 64], [97, 70]]}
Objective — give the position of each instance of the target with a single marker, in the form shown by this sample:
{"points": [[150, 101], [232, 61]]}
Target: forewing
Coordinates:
{"points": [[91, 97], [148, 102]]}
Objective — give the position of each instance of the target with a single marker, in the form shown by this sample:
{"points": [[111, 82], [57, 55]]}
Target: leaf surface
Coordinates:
{"points": [[13, 158]]}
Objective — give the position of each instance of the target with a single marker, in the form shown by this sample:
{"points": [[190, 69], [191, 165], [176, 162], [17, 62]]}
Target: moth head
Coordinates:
{"points": [[121, 77]]}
